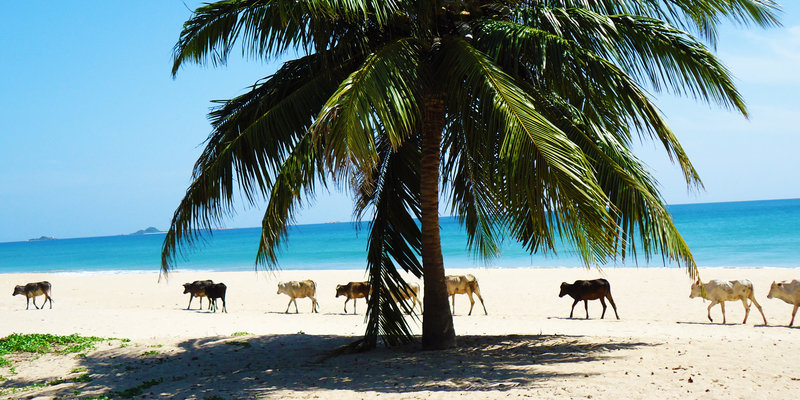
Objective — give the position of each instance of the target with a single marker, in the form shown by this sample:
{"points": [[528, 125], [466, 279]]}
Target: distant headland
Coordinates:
{"points": [[147, 231]]}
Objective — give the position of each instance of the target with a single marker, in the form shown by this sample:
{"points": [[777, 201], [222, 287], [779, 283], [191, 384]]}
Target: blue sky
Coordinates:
{"points": [[96, 138]]}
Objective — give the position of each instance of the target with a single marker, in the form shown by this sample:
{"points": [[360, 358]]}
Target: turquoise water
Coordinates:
{"points": [[736, 234]]}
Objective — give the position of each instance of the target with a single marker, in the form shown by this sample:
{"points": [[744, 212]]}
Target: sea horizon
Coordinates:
{"points": [[744, 234]]}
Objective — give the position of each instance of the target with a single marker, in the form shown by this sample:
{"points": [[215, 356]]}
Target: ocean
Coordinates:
{"points": [[733, 234]]}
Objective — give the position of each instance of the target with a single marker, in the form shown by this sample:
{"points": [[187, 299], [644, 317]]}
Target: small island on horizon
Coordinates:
{"points": [[42, 238], [147, 231]]}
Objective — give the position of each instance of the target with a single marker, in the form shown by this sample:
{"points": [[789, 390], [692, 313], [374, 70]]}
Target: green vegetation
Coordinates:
{"points": [[238, 343], [82, 379], [241, 334], [76, 370], [148, 353], [45, 343]]}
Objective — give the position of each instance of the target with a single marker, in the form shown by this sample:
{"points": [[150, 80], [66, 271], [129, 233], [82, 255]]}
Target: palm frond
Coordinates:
{"points": [[550, 187], [604, 92], [270, 27], [380, 95], [392, 191], [252, 135]]}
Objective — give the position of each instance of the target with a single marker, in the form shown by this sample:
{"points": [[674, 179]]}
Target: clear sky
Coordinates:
{"points": [[96, 138]]}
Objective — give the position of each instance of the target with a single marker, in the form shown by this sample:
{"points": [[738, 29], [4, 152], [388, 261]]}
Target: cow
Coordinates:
{"points": [[464, 284], [299, 289], [353, 290], [788, 292], [31, 290], [216, 291], [719, 291], [197, 289], [593, 289], [411, 292]]}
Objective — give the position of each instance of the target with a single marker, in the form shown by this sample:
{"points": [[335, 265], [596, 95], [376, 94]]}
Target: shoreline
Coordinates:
{"points": [[476, 268]]}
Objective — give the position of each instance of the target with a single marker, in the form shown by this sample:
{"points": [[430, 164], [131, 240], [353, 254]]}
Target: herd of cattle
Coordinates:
{"points": [[717, 291]]}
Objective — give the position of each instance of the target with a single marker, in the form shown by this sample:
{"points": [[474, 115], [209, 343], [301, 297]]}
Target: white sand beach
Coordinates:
{"points": [[662, 347]]}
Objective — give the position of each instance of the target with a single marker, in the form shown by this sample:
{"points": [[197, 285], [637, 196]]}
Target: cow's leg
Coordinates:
{"points": [[586, 306], [603, 303], [746, 310], [478, 293], [289, 305], [471, 302], [46, 299], [355, 302], [314, 305], [713, 303], [190, 301], [758, 306], [453, 307], [794, 311], [34, 302], [614, 306], [346, 299], [28, 303], [571, 310], [722, 306]]}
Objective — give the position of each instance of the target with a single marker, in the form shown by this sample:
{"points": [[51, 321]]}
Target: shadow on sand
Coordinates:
{"points": [[259, 366]]}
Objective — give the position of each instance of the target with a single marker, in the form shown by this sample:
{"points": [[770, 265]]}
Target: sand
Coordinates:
{"points": [[662, 347]]}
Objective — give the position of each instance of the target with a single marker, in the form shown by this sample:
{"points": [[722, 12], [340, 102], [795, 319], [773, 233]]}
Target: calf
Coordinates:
{"points": [[719, 291], [31, 290], [353, 290], [197, 289], [589, 290], [299, 289], [214, 292], [788, 292], [409, 292], [464, 284]]}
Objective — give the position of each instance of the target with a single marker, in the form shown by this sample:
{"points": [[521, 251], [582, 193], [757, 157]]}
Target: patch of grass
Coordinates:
{"points": [[156, 345], [136, 390], [241, 334], [238, 343], [44, 343], [76, 370], [148, 353], [82, 378]]}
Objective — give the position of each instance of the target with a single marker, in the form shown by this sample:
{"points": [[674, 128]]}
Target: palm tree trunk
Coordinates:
{"points": [[437, 322]]}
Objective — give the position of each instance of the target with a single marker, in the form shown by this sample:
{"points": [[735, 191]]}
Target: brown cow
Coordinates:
{"points": [[197, 289], [464, 284], [353, 290], [31, 290], [589, 290]]}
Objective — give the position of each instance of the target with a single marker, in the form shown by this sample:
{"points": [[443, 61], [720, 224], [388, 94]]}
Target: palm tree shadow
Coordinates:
{"points": [[258, 366]]}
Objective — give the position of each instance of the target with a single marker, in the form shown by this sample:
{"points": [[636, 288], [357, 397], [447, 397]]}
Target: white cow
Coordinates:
{"points": [[464, 284], [719, 291], [299, 289], [788, 292], [411, 293]]}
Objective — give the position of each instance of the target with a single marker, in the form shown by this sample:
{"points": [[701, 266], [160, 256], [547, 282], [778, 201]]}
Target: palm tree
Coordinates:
{"points": [[522, 111]]}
